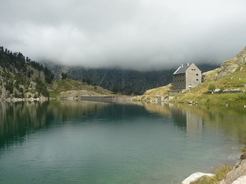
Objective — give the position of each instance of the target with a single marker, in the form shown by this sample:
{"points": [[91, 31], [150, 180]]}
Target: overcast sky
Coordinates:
{"points": [[132, 34]]}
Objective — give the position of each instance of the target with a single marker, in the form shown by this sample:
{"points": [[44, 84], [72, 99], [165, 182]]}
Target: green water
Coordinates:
{"points": [[101, 143]]}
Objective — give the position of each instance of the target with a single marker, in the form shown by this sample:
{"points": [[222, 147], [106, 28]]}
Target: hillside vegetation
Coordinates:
{"points": [[120, 81], [72, 88], [223, 86], [152, 94], [22, 78]]}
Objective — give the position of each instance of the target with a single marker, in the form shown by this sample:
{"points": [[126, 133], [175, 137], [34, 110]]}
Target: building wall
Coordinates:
{"points": [[179, 81], [193, 76]]}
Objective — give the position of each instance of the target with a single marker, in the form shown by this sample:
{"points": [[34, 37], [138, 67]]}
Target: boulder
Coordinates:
{"points": [[237, 174], [240, 180], [227, 70]]}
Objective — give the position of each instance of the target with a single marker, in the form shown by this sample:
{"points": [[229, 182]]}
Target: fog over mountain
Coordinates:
{"points": [[118, 80], [128, 34]]}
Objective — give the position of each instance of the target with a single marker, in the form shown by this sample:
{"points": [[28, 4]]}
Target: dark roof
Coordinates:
{"points": [[181, 69]]}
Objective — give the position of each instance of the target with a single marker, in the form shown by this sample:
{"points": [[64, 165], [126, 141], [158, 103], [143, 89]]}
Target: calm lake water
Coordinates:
{"points": [[102, 143]]}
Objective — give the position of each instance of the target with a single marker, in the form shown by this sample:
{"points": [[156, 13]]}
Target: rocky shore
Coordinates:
{"points": [[24, 99], [236, 176]]}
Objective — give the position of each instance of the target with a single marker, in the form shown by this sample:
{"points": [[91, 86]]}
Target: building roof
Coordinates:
{"points": [[181, 69]]}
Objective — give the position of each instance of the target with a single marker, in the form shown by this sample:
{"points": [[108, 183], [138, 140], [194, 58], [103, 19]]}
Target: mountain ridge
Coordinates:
{"points": [[129, 82], [225, 85]]}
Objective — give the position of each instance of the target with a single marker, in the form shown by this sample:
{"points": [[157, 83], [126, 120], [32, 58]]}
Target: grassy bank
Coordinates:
{"points": [[220, 173], [236, 99], [69, 87], [204, 93]]}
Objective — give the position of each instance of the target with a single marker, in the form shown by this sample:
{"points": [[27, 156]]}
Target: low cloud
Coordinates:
{"points": [[129, 34]]}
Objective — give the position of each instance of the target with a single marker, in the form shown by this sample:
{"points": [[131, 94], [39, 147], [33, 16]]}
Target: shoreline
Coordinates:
{"points": [[237, 175], [237, 165], [24, 99]]}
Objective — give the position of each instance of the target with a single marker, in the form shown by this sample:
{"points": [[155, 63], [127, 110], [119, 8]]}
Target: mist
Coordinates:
{"points": [[127, 34]]}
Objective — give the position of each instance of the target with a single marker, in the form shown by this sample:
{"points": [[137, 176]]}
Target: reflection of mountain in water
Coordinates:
{"points": [[17, 120], [193, 119], [163, 110], [231, 120], [179, 115]]}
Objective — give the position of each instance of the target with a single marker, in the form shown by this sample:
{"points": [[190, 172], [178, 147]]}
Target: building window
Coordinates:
{"points": [[197, 74], [197, 80]]}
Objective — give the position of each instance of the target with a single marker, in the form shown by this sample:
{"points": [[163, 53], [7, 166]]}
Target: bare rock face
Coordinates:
{"points": [[238, 174], [34, 74], [240, 180], [241, 57], [3, 91], [232, 65], [227, 70]]}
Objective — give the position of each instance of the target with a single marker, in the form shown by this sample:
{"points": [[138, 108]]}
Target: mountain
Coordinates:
{"points": [[68, 88], [119, 80], [22, 78], [225, 85]]}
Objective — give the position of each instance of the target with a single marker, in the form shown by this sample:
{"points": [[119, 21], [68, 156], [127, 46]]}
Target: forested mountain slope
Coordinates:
{"points": [[22, 78], [119, 80]]}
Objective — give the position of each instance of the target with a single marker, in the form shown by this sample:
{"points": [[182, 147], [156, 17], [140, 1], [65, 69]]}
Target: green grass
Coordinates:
{"points": [[234, 81], [69, 84], [220, 173]]}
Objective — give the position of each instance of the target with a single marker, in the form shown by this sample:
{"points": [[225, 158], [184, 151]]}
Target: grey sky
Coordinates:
{"points": [[132, 34]]}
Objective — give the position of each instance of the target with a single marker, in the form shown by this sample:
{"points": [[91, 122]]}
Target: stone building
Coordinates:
{"points": [[186, 76]]}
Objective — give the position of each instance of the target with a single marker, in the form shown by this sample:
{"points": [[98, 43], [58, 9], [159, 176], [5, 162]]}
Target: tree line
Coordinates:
{"points": [[9, 59]]}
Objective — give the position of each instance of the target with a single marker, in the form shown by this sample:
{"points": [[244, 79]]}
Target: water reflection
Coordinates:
{"points": [[18, 120], [21, 119], [184, 118], [194, 123], [74, 141], [193, 118]]}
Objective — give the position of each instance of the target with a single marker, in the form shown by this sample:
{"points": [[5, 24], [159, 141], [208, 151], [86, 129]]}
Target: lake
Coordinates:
{"points": [[109, 143]]}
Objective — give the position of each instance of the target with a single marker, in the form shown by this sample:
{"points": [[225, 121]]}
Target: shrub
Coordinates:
{"points": [[222, 88], [211, 87]]}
